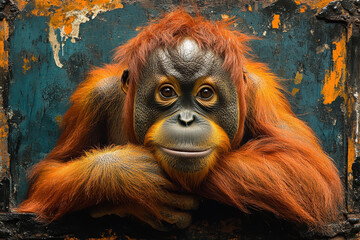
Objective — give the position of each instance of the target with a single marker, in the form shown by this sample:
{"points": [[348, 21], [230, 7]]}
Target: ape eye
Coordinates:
{"points": [[167, 92], [205, 93]]}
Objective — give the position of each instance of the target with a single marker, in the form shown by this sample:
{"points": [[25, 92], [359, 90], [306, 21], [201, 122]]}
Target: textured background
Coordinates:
{"points": [[48, 48]]}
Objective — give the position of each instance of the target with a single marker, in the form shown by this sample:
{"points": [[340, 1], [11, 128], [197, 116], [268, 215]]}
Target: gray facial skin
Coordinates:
{"points": [[186, 63]]}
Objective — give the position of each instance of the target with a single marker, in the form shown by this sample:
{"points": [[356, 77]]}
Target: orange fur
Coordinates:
{"points": [[278, 167], [119, 175], [282, 169]]}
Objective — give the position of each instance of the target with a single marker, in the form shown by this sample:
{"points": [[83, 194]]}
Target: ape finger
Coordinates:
{"points": [[179, 219], [183, 202]]}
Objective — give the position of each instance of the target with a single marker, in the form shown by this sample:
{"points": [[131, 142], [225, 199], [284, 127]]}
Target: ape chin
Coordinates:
{"points": [[183, 112]]}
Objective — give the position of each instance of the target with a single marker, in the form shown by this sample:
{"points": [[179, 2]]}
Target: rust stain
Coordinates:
{"points": [[4, 36], [335, 78], [27, 62], [276, 21]]}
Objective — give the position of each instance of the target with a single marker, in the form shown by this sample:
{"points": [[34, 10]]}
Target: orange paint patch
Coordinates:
{"points": [[276, 21], [66, 11], [316, 4], [21, 4], [351, 157], [27, 62], [295, 91], [350, 160], [250, 8], [224, 16], [298, 2], [298, 78], [303, 8], [334, 85], [4, 36], [68, 25]]}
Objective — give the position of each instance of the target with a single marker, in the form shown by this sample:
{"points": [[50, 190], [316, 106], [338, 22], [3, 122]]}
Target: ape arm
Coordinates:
{"points": [[282, 169], [86, 123], [77, 175]]}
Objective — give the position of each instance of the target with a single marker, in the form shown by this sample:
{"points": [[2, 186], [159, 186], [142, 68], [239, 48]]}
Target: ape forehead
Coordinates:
{"points": [[187, 61]]}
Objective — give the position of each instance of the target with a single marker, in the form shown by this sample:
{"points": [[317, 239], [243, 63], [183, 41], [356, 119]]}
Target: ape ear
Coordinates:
{"points": [[125, 81]]}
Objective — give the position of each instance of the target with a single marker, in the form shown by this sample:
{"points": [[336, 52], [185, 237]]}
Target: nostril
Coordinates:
{"points": [[186, 118]]}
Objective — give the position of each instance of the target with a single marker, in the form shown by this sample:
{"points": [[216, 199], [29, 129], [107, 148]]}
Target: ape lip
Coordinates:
{"points": [[186, 153]]}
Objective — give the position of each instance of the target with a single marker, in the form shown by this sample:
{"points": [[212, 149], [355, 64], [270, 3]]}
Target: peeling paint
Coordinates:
{"points": [[4, 36], [322, 48], [334, 84], [67, 16], [55, 46], [276, 21]]}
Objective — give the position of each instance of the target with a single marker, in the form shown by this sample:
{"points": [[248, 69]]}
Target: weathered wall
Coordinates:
{"points": [[54, 43]]}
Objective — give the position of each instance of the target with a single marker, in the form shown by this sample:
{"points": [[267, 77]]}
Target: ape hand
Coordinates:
{"points": [[147, 193], [172, 208]]}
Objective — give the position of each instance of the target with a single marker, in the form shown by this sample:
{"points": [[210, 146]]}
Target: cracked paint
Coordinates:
{"points": [[67, 16], [334, 84]]}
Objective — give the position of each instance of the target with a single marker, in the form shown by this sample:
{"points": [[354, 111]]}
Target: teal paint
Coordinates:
{"points": [[42, 93]]}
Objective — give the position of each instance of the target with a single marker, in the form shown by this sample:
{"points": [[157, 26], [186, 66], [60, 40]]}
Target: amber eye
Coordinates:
{"points": [[167, 92], [205, 93]]}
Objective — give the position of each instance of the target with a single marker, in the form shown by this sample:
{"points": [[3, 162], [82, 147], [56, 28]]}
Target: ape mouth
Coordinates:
{"points": [[186, 153]]}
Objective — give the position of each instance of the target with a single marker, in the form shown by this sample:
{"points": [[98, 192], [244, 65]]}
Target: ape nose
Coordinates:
{"points": [[186, 117]]}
